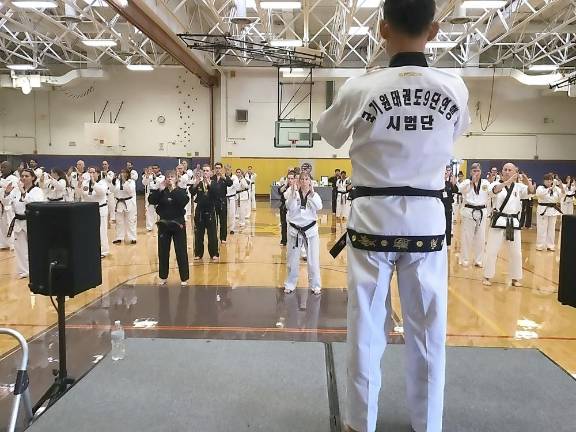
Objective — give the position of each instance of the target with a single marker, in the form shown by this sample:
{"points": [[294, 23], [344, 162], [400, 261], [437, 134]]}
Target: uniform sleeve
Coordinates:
{"points": [[154, 197], [541, 192], [524, 192], [228, 181], [134, 175], [291, 199], [100, 190], [463, 123], [110, 176], [491, 188], [60, 185], [336, 123], [181, 197], [130, 187], [315, 201], [464, 186], [145, 180]]}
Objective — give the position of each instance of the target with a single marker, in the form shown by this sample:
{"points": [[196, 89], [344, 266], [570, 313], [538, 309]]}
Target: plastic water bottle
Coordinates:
{"points": [[118, 339]]}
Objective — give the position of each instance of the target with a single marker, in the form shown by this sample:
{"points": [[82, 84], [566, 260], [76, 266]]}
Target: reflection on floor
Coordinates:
{"points": [[241, 297]]}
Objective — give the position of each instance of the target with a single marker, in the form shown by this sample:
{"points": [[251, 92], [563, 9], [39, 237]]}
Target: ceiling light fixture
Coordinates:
{"points": [[441, 44], [140, 67], [22, 67], [358, 31], [35, 4], [280, 5], [483, 4], [543, 68], [99, 42], [286, 43]]}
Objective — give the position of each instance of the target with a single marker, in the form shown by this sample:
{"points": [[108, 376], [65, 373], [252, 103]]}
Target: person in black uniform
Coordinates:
{"points": [[170, 202], [205, 217], [283, 209], [450, 189], [527, 205], [222, 182], [332, 180]]}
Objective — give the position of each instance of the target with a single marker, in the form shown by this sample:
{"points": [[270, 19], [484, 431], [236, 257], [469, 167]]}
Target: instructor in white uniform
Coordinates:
{"points": [[403, 121]]}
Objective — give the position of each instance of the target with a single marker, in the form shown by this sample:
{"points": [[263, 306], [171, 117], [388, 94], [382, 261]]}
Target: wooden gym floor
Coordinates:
{"points": [[496, 316]]}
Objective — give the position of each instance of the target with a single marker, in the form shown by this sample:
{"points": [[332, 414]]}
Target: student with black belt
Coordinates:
{"points": [[205, 215], [527, 208], [450, 189], [303, 204], [126, 210], [332, 180], [170, 202], [6, 211], [19, 197], [288, 183], [95, 190], [56, 186], [474, 216], [568, 200], [549, 196], [221, 184]]}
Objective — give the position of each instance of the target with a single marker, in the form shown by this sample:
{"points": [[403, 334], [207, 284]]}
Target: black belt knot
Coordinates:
{"points": [[302, 232]]}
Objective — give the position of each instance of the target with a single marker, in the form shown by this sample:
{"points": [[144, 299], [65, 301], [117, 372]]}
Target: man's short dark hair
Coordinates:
{"points": [[218, 164], [412, 17], [337, 169]]}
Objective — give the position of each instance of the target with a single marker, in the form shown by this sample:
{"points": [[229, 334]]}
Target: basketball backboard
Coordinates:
{"points": [[294, 133]]}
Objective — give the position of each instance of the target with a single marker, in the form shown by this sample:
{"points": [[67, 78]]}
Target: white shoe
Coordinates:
{"points": [[552, 249], [516, 283], [22, 275], [184, 283], [479, 264], [163, 281], [316, 290], [464, 263], [288, 291], [486, 282], [539, 248]]}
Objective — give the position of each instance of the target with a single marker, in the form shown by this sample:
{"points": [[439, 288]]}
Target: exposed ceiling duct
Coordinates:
{"points": [[26, 82]]}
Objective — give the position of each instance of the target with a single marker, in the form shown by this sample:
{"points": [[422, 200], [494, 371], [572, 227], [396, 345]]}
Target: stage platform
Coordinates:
{"points": [[275, 386]]}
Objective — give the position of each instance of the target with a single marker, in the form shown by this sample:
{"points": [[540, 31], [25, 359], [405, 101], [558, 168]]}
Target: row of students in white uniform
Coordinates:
{"points": [[483, 201]]}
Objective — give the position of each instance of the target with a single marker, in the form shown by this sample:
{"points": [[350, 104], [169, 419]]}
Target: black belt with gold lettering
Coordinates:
{"points": [[380, 243], [11, 228]]}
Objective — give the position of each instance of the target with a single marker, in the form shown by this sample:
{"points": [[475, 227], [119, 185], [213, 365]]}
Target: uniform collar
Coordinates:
{"points": [[408, 59]]}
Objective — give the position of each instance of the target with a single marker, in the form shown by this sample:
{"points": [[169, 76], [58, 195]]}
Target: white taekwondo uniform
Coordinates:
{"points": [[56, 190], [6, 211], [568, 200], [126, 209], [19, 202], [76, 181], [252, 179], [403, 122], [151, 182], [189, 182], [97, 192], [232, 203], [546, 215], [243, 196], [343, 204], [474, 214], [302, 231], [109, 176], [510, 215]]}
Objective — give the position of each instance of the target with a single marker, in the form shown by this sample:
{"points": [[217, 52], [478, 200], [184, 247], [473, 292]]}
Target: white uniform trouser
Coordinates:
{"points": [[5, 220], [111, 206], [232, 213], [21, 252], [151, 216], [546, 231], [189, 209], [423, 286], [125, 223], [104, 246], [253, 196], [293, 261], [244, 212], [567, 207], [495, 238], [342, 207], [473, 239]]}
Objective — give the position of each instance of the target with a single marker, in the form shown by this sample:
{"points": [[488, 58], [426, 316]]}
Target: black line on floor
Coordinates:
{"points": [[333, 401]]}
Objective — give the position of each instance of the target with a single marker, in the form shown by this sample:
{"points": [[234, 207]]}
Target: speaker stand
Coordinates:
{"points": [[62, 381]]}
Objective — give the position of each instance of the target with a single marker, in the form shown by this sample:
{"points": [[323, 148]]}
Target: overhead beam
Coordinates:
{"points": [[148, 22]]}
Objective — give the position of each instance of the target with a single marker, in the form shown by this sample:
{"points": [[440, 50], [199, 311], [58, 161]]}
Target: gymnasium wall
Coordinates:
{"points": [[51, 120], [269, 170], [524, 121]]}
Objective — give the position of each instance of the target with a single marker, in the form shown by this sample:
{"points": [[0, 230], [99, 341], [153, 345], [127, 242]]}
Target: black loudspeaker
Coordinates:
{"points": [[567, 280], [64, 244]]}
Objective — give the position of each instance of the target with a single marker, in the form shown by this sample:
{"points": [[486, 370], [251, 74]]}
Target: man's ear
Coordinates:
{"points": [[384, 30], [434, 28]]}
